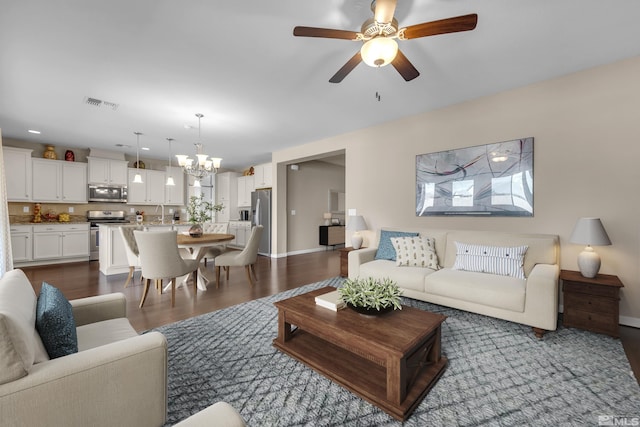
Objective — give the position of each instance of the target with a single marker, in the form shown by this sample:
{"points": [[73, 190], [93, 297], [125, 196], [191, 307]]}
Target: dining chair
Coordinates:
{"points": [[131, 250], [245, 258], [217, 228], [159, 258]]}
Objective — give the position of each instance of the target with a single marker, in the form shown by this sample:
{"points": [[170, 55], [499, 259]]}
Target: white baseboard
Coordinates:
{"points": [[306, 251]]}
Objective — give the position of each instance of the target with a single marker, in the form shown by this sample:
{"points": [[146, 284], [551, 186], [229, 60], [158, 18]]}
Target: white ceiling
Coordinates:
{"points": [[260, 88]]}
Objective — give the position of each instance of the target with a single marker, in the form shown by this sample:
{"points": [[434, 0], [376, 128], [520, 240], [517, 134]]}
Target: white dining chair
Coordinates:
{"points": [[131, 250], [245, 258], [160, 259], [217, 228]]}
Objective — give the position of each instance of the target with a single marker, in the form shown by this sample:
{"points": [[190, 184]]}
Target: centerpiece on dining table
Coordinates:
{"points": [[200, 211]]}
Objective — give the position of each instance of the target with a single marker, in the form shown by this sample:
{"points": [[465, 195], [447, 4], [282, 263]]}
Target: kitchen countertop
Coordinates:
{"points": [[28, 220]]}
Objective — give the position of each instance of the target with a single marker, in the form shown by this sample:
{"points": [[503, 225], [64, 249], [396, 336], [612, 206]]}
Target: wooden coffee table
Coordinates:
{"points": [[391, 360]]}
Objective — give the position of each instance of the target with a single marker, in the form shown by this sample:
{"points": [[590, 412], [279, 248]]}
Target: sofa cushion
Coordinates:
{"points": [[503, 261], [406, 277], [487, 289], [55, 322], [385, 247], [20, 344], [105, 332], [418, 251]]}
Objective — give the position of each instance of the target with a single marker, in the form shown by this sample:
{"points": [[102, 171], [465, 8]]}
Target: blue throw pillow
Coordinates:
{"points": [[55, 322], [385, 247]]}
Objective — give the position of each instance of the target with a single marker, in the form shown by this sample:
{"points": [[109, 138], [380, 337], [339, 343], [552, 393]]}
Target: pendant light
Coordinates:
{"points": [[170, 176], [137, 179], [201, 166]]}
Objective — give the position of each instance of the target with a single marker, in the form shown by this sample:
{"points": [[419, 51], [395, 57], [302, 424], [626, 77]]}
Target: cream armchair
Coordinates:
{"points": [[218, 228], [117, 377]]}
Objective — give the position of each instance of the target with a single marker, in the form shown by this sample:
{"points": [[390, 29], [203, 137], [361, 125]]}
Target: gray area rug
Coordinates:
{"points": [[498, 374]]}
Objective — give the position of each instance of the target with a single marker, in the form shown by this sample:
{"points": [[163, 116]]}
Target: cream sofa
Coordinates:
{"points": [[531, 301], [117, 377]]}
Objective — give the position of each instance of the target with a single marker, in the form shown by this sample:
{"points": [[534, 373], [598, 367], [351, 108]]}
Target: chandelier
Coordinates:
{"points": [[201, 166]]}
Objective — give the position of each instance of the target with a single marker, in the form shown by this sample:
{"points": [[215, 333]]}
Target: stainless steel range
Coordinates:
{"points": [[96, 218]]}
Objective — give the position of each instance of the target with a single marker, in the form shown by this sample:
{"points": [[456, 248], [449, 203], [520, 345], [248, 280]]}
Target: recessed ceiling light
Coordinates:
{"points": [[145, 148], [37, 132]]}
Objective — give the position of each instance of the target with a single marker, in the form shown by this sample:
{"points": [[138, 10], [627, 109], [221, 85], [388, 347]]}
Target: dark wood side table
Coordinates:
{"points": [[344, 261], [591, 304]]}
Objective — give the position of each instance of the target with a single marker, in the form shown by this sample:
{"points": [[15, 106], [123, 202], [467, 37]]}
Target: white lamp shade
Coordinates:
{"points": [[182, 159], [137, 179], [356, 223], [170, 181], [202, 159], [590, 231], [216, 162], [379, 51]]}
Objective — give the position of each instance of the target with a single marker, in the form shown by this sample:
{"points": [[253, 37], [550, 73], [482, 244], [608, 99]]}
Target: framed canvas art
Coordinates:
{"points": [[485, 180]]}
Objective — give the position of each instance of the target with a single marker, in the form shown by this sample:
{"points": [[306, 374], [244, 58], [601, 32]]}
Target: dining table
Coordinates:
{"points": [[197, 247]]}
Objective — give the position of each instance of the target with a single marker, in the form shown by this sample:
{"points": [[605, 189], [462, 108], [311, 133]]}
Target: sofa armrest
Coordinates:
{"points": [[358, 257], [119, 384], [542, 295], [99, 308]]}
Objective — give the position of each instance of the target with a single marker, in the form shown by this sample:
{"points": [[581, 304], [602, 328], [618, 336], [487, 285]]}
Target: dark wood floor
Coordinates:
{"points": [[80, 280]]}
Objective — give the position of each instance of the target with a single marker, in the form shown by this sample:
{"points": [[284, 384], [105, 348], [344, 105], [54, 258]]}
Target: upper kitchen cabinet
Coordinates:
{"points": [[107, 171], [263, 176], [174, 194], [17, 167], [150, 192], [245, 188], [58, 181]]}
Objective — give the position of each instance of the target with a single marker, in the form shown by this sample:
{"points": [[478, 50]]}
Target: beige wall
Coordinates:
{"points": [[308, 194], [586, 131]]}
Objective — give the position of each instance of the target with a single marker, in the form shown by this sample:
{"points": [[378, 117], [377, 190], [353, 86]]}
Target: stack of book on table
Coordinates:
{"points": [[331, 300]]}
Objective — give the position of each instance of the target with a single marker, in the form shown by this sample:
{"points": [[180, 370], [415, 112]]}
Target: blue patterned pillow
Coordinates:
{"points": [[55, 322], [385, 247]]}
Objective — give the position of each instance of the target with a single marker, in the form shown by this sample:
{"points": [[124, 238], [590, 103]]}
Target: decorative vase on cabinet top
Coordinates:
{"points": [[50, 153]]}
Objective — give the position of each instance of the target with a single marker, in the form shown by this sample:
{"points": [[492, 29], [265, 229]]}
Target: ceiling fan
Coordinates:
{"points": [[379, 33]]}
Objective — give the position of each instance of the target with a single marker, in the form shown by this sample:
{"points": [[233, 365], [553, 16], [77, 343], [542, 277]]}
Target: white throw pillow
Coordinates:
{"points": [[503, 261], [20, 344], [415, 251]]}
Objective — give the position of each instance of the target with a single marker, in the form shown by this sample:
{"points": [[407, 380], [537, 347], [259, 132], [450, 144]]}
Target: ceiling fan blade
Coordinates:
{"points": [[324, 33], [443, 26], [384, 10], [346, 68], [404, 67]]}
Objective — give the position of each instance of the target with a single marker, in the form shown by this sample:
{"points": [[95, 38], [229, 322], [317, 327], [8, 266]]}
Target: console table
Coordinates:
{"points": [[331, 235]]}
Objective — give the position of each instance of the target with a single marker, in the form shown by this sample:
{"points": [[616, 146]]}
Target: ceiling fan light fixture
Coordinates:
{"points": [[379, 51]]}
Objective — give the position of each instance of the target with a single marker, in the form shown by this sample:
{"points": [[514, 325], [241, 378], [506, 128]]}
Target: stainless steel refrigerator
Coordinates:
{"points": [[261, 215]]}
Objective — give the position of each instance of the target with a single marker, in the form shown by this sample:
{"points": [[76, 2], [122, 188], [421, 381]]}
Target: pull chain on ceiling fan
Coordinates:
{"points": [[379, 35]]}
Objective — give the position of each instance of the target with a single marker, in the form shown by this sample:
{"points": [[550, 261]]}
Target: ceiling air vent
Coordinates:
{"points": [[94, 102]]}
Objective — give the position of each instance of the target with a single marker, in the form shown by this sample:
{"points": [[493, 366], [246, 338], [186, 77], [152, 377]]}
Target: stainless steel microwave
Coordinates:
{"points": [[108, 193]]}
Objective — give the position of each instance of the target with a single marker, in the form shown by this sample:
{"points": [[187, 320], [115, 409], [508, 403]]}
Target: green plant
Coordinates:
{"points": [[371, 293], [199, 210]]}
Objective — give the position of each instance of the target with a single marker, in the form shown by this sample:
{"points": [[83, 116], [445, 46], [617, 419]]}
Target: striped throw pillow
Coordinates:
{"points": [[503, 261], [416, 251]]}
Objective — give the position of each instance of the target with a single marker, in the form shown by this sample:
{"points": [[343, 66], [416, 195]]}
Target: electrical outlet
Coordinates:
{"points": [[170, 211], [352, 212], [71, 209], [293, 211], [25, 209]]}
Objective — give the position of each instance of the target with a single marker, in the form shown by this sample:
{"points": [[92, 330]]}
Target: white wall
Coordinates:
{"points": [[586, 129]]}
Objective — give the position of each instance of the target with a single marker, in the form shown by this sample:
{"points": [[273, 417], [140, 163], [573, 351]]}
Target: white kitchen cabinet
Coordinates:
{"points": [[241, 230], [263, 176], [113, 257], [150, 192], [174, 194], [58, 181], [107, 171], [21, 243], [245, 188], [227, 194], [58, 241], [17, 167]]}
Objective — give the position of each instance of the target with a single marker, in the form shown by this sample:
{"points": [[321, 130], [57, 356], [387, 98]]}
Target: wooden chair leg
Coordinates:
{"points": [[144, 292], [248, 270], [173, 292], [227, 268], [131, 269], [159, 286], [217, 277], [205, 262], [253, 270]]}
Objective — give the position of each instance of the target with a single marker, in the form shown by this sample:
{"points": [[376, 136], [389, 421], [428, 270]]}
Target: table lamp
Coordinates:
{"points": [[356, 223], [589, 231], [327, 218]]}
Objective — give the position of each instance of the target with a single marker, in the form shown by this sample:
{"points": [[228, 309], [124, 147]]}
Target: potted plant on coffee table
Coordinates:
{"points": [[371, 296]]}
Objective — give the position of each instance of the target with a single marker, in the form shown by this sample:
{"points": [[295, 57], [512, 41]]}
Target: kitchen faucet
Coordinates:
{"points": [[161, 206]]}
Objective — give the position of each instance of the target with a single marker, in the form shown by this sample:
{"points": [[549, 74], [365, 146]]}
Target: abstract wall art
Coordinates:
{"points": [[484, 180]]}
